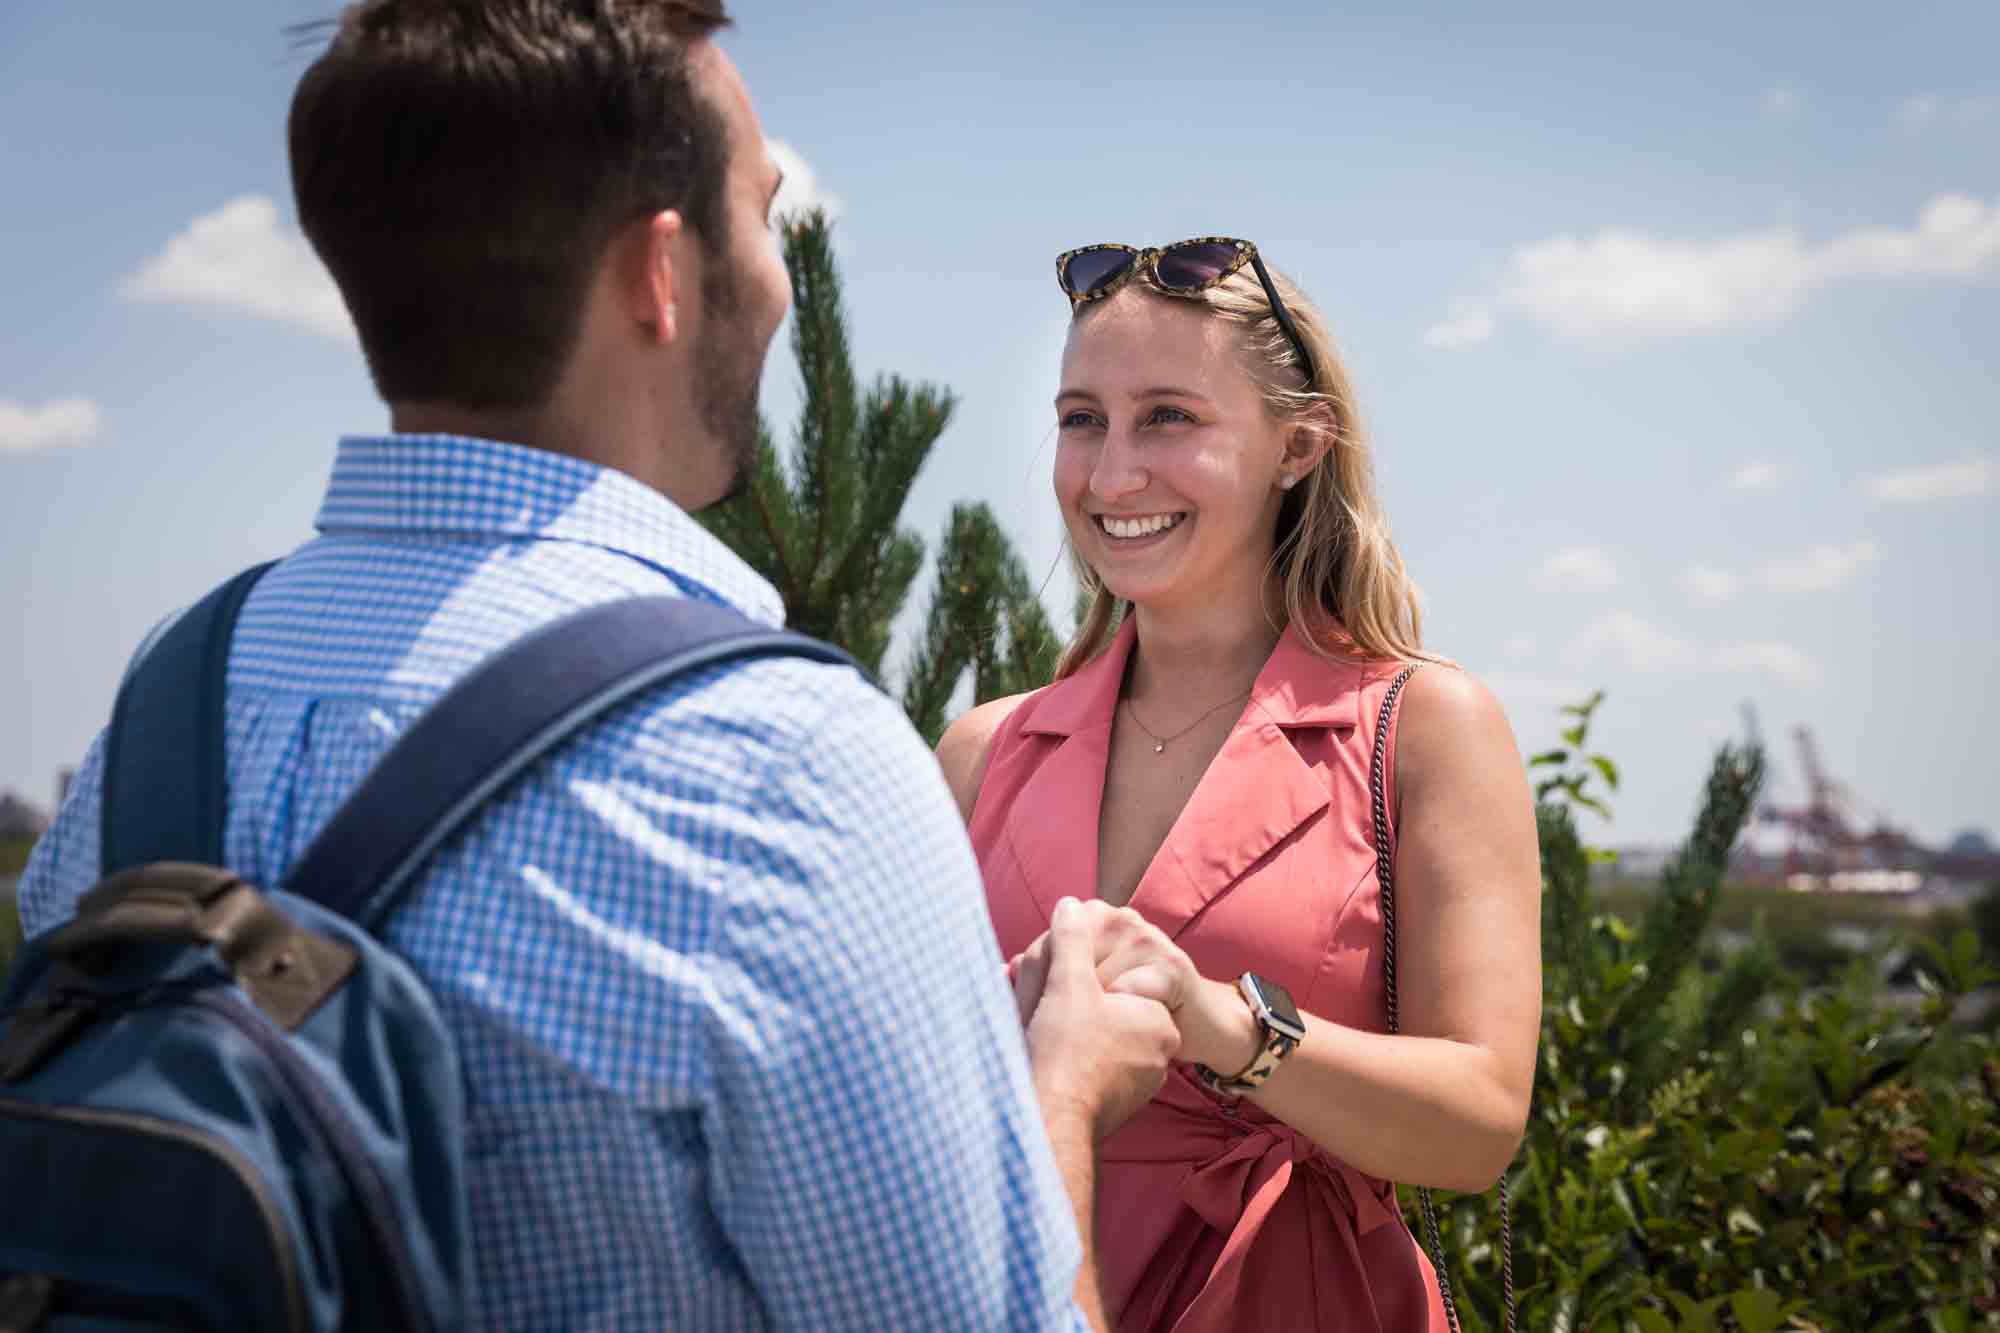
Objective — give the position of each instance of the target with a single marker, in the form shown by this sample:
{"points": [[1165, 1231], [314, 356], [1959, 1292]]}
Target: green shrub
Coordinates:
{"points": [[1986, 920], [10, 935], [1719, 1142], [13, 859]]}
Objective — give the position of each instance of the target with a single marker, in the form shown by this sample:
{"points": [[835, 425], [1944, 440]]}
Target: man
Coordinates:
{"points": [[736, 1042]]}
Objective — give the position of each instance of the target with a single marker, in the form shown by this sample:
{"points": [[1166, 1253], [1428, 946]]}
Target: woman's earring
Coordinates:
{"points": [[1289, 480]]}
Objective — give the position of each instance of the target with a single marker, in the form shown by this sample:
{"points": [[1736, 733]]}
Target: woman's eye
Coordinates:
{"points": [[1169, 414], [1073, 419]]}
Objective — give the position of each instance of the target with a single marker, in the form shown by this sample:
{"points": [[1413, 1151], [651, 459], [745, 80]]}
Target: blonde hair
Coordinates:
{"points": [[1343, 581]]}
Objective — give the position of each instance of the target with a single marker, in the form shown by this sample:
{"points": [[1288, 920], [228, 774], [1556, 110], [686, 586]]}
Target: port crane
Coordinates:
{"points": [[1826, 833]]}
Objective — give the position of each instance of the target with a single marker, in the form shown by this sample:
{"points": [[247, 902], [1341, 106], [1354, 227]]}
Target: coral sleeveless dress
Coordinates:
{"points": [[1214, 1216]]}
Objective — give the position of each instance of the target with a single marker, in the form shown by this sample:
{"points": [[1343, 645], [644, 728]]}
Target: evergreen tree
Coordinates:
{"points": [[824, 525], [825, 529], [985, 616]]}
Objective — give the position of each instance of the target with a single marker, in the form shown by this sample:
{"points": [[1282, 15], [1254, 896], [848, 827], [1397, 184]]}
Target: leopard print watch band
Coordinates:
{"points": [[1280, 1030], [1276, 1047]]}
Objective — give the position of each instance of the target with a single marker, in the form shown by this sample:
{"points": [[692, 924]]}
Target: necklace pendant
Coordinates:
{"points": [[1159, 747]]}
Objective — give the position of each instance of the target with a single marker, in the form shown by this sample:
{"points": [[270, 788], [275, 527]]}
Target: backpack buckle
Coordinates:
{"points": [[286, 970]]}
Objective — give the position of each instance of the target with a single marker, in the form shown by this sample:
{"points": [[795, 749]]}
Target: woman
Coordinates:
{"points": [[1200, 776]]}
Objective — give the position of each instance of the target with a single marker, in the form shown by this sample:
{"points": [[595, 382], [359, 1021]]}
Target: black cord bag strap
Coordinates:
{"points": [[1385, 874]]}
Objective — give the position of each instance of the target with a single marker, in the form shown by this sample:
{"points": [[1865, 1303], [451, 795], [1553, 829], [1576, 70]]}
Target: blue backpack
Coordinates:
{"points": [[228, 1108]]}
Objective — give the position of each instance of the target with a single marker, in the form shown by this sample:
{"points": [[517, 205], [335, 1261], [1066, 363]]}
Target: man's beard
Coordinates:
{"points": [[729, 370]]}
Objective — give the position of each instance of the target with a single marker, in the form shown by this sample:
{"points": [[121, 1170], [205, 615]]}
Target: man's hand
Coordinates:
{"points": [[1096, 1053], [1135, 957]]}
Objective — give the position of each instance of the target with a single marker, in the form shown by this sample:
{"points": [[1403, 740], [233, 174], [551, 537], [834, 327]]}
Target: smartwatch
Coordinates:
{"points": [[1280, 1031]]}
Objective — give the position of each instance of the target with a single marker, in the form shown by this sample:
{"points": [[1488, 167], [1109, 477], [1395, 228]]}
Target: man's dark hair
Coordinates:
{"points": [[460, 166]]}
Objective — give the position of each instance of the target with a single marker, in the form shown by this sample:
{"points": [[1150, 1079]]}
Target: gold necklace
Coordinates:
{"points": [[1160, 742]]}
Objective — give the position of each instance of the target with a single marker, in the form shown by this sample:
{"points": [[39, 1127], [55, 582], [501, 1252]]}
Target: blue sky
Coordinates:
{"points": [[1674, 328]]}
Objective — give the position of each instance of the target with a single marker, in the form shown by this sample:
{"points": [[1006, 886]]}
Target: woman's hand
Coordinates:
{"points": [[1091, 1048], [1135, 957]]}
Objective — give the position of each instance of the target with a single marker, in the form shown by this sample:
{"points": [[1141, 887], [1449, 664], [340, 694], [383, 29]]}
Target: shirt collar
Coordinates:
{"points": [[472, 487]]}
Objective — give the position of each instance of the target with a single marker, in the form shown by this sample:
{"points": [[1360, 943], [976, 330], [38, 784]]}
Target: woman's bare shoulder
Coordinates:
{"points": [[963, 749], [1450, 722]]}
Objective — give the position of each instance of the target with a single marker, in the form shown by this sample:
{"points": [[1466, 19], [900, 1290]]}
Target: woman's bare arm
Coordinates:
{"points": [[1444, 1103], [965, 745]]}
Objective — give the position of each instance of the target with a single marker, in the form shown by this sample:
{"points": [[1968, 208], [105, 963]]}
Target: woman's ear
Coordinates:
{"points": [[1308, 438]]}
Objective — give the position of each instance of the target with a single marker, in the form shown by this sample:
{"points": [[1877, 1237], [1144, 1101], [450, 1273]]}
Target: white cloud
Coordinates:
{"points": [[1778, 660], [1473, 327], [62, 423], [1946, 481], [1636, 644], [240, 257], [1756, 477], [1917, 113], [801, 188], [1783, 102], [1821, 568], [1955, 236], [1624, 280], [1707, 586], [1526, 696], [1581, 566]]}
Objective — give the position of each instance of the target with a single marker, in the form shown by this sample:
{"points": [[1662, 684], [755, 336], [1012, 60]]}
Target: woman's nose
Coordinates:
{"points": [[1118, 472]]}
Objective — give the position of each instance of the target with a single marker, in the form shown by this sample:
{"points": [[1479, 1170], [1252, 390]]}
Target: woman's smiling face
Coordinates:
{"points": [[1167, 462]]}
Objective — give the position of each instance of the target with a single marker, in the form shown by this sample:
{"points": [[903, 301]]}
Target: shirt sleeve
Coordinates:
{"points": [[876, 1153], [65, 861], [67, 858]]}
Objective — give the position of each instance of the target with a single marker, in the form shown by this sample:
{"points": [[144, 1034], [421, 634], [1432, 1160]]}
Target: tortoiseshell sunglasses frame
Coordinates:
{"points": [[1149, 258]]}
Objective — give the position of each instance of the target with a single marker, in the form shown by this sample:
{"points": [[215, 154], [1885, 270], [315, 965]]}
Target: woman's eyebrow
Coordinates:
{"points": [[1157, 391]]}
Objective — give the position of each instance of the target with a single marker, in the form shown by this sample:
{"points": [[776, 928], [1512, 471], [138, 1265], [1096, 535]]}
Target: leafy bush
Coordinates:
{"points": [[1986, 919], [1732, 1147], [10, 934], [13, 859]]}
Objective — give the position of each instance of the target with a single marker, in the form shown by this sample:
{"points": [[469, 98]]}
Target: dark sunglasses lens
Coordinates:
{"points": [[1090, 270], [1187, 266]]}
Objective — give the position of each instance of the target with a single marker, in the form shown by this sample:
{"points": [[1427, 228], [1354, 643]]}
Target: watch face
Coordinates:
{"points": [[1277, 1006]]}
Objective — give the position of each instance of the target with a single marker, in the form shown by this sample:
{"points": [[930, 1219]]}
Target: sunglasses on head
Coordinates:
{"points": [[1095, 271]]}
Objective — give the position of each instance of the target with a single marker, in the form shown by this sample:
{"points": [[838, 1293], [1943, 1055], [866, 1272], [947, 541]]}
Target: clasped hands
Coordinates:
{"points": [[1108, 1001]]}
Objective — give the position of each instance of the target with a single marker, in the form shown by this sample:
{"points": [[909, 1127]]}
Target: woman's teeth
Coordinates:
{"points": [[1138, 527]]}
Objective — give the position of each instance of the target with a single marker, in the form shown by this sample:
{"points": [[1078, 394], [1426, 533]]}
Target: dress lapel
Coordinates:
{"points": [[1053, 822], [1257, 791]]}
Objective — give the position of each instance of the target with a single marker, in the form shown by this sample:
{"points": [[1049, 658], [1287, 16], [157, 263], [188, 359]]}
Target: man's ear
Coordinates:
{"points": [[652, 274]]}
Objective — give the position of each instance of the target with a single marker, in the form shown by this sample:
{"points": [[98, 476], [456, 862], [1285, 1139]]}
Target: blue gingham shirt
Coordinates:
{"points": [[737, 1046]]}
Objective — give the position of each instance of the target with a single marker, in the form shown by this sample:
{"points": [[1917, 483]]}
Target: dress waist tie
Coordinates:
{"points": [[1242, 1167]]}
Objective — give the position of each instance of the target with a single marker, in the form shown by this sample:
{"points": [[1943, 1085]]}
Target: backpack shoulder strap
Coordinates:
{"points": [[165, 786], [491, 727]]}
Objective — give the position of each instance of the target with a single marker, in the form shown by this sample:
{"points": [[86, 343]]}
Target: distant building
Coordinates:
{"points": [[1857, 881], [19, 821], [1632, 865], [1972, 842]]}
